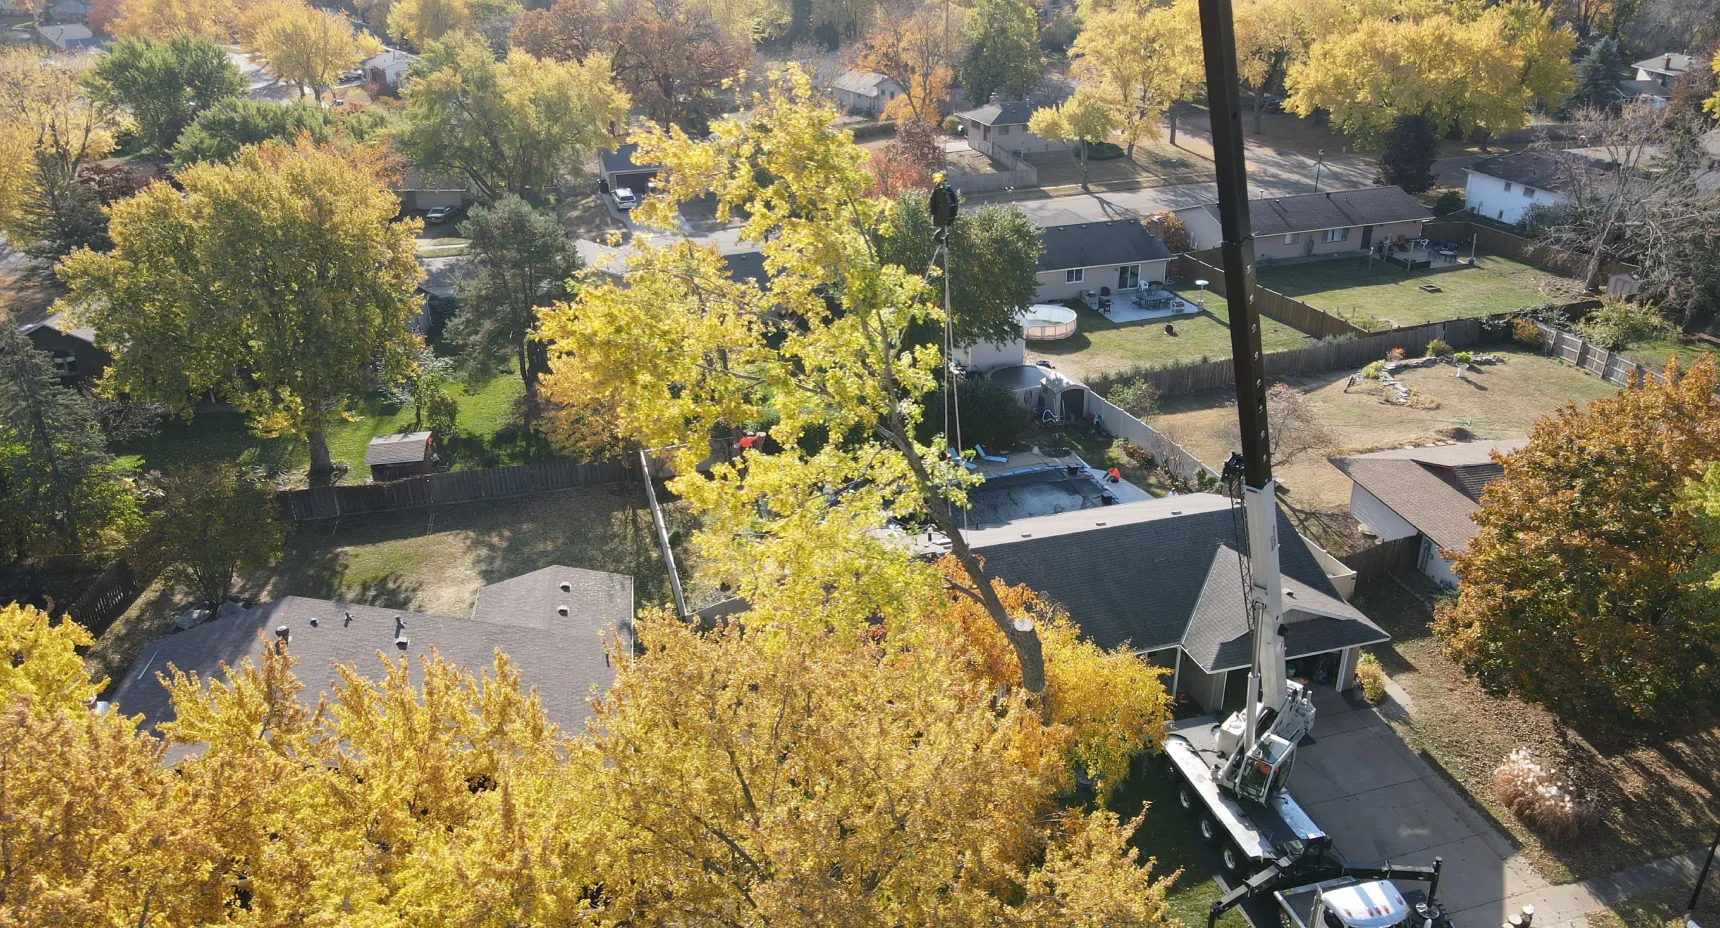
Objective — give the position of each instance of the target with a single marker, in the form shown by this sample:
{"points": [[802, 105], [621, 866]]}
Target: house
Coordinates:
{"points": [[1000, 129], [1119, 254], [551, 624], [1664, 69], [73, 348], [617, 170], [68, 37], [1503, 187], [865, 93], [67, 11], [746, 267], [387, 68], [1161, 577], [392, 457], [1338, 222], [1427, 492]]}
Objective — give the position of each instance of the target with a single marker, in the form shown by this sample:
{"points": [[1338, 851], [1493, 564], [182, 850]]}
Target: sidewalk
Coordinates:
{"points": [[1569, 903]]}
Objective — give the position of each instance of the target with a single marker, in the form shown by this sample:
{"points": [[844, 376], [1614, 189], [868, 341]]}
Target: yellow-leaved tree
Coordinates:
{"points": [[306, 47], [49, 128], [1141, 64]]}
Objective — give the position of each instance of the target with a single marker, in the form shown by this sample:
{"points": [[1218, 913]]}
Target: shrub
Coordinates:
{"points": [[1104, 151], [1136, 397], [1372, 677], [1463, 357], [1525, 332], [441, 413], [1396, 354], [1439, 348], [1338, 339], [1449, 202], [952, 125], [1540, 798], [1171, 231], [1618, 324], [1372, 371], [1367, 323], [990, 415], [1138, 455]]}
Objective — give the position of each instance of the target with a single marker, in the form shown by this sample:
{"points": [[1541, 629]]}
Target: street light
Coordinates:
{"points": [[1318, 166]]}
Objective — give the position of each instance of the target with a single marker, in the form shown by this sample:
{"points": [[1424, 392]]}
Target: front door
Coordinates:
{"points": [[1367, 237]]}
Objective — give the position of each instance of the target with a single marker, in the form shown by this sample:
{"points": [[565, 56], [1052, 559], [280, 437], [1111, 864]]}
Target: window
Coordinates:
{"points": [[1507, 186], [65, 363], [1292, 238], [1529, 192], [1002, 130], [985, 134], [1128, 276], [1335, 235], [1073, 276]]}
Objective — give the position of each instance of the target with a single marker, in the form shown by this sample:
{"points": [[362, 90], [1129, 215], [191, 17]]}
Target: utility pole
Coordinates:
{"points": [[1319, 166]]}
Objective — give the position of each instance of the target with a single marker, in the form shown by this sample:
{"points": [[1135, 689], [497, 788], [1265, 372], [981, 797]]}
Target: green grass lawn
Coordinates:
{"points": [[1350, 285], [1168, 835], [1655, 353], [484, 436], [1100, 346]]}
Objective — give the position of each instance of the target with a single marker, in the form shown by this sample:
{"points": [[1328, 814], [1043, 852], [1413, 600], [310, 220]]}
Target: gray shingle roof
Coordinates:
{"points": [[746, 267], [441, 273], [1434, 489], [1313, 212], [59, 323], [1539, 169], [560, 599], [1094, 244], [864, 83], [409, 448], [1630, 90], [1671, 64], [620, 161], [564, 665], [1015, 113], [1163, 573]]}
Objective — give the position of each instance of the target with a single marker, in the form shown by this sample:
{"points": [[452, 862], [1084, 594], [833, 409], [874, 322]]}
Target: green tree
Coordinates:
{"points": [[219, 133], [211, 521], [60, 214], [1596, 75], [1003, 51], [515, 126], [164, 84], [994, 252], [1407, 162], [281, 282], [61, 492], [1085, 119], [521, 262], [1583, 590]]}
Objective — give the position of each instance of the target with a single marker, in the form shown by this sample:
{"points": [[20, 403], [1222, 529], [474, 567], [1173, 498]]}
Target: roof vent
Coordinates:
{"points": [[348, 619], [1100, 524], [1176, 512], [399, 626], [1027, 534], [282, 632], [313, 621], [561, 610], [402, 643], [566, 587]]}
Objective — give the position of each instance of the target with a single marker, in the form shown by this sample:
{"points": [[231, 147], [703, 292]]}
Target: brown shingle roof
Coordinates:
{"points": [[1435, 489], [409, 448]]}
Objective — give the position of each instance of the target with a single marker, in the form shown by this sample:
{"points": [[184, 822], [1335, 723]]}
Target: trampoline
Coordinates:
{"points": [[1047, 322]]}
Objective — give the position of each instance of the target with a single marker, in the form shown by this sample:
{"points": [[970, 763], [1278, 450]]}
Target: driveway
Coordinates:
{"points": [[1379, 801]]}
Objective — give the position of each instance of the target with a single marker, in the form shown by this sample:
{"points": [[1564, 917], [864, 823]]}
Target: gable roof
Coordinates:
{"points": [[862, 83], [1435, 489], [1164, 573], [1092, 244], [620, 161], [409, 448], [1671, 64], [388, 58], [562, 665], [1014, 113], [559, 599], [59, 323], [1314, 212], [68, 36], [1540, 169], [1631, 90]]}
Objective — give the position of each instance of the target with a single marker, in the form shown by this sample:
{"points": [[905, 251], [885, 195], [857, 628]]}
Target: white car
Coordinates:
{"points": [[438, 214], [625, 198]]}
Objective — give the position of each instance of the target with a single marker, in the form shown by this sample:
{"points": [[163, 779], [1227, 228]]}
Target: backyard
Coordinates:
{"points": [[486, 435], [1352, 286], [1167, 835], [1100, 346], [1156, 163], [1491, 401], [434, 559], [1650, 797]]}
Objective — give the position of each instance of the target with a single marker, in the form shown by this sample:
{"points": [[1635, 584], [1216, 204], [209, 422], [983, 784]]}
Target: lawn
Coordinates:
{"points": [[1100, 346], [1688, 350], [485, 436], [1650, 797], [1349, 286], [1167, 835], [1156, 163], [1492, 401], [1663, 908], [434, 559]]}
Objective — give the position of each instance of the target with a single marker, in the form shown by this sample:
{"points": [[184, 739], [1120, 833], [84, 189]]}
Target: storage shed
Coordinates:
{"points": [[391, 457]]}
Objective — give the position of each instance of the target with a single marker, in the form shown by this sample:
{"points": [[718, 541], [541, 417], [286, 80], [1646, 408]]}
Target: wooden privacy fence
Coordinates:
{"points": [[108, 596], [1272, 304], [1516, 247], [461, 486], [1607, 365], [1384, 558], [1196, 378]]}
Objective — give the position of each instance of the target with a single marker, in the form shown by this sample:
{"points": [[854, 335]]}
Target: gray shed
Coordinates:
{"points": [[391, 457]]}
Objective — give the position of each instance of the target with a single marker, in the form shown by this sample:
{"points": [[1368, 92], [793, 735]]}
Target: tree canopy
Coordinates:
{"points": [[1086, 118], [1583, 590], [280, 281], [1003, 54], [521, 262], [305, 47], [163, 85], [1140, 64], [209, 522], [994, 256], [1411, 147]]}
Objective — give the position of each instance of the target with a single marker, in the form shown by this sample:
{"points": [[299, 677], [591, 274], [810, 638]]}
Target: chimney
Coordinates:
{"points": [[994, 100], [1667, 64]]}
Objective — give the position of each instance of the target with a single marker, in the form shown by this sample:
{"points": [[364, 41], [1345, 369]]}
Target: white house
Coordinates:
{"points": [[1427, 492], [1102, 257], [1338, 222], [387, 68], [1001, 129], [865, 92], [1503, 187]]}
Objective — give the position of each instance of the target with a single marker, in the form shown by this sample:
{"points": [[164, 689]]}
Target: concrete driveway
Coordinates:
{"points": [[1379, 801]]}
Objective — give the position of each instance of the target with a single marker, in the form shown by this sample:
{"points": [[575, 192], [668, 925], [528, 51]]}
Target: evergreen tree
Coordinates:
{"points": [[1408, 159], [60, 490], [61, 213], [1596, 75], [521, 262], [1003, 54]]}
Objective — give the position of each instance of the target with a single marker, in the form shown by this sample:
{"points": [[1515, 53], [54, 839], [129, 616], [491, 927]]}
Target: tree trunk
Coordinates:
{"points": [[322, 466], [1258, 108], [1083, 164], [1171, 117]]}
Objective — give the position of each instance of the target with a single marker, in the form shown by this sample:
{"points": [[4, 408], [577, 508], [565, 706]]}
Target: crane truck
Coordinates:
{"points": [[1234, 775]]}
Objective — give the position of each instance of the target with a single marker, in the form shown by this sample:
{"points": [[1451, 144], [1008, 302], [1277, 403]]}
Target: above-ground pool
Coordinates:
{"points": [[1047, 322]]}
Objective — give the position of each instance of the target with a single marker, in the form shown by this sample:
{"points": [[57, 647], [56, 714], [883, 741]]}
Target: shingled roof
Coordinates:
{"points": [[1164, 573], [1096, 244], [1435, 488], [1339, 209], [407, 448], [1014, 113], [1540, 169]]}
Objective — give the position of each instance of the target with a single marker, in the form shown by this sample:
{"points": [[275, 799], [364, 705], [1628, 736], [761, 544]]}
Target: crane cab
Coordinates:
{"points": [[1266, 769]]}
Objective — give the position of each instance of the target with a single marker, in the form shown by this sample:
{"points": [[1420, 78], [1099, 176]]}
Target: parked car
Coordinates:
{"points": [[625, 198], [438, 214]]}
